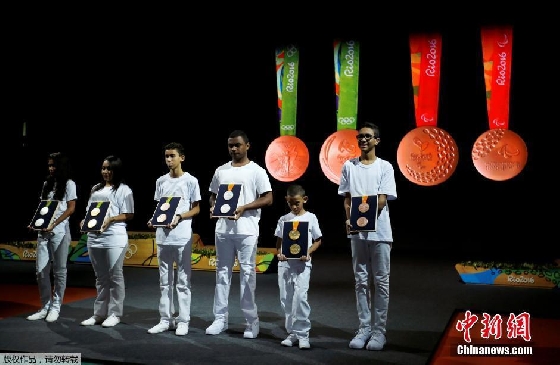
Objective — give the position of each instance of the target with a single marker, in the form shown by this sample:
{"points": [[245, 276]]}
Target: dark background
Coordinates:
{"points": [[128, 87]]}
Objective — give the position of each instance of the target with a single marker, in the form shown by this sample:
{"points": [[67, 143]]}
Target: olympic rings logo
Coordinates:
{"points": [[291, 50], [346, 120], [287, 127]]}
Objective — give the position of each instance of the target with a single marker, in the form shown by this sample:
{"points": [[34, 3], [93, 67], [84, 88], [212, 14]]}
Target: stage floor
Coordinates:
{"points": [[426, 291]]}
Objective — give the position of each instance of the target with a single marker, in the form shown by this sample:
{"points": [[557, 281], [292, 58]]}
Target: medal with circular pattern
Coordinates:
{"points": [[161, 218], [228, 194], [362, 222], [295, 249], [44, 210], [95, 212], [294, 234], [339, 147], [287, 158], [364, 206], [225, 208], [499, 154], [165, 206], [39, 222], [427, 156], [92, 223]]}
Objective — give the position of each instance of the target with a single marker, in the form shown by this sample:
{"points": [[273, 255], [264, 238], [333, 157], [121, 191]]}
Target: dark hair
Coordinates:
{"points": [[116, 167], [175, 146], [295, 190], [58, 180], [372, 126], [239, 133]]}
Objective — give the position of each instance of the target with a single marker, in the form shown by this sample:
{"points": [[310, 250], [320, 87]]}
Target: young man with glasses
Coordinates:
{"points": [[364, 176], [237, 236]]}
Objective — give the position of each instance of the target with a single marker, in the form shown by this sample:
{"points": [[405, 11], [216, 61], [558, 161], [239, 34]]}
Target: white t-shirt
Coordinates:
{"points": [[186, 187], [122, 201], [373, 179], [314, 231], [69, 194], [254, 180]]}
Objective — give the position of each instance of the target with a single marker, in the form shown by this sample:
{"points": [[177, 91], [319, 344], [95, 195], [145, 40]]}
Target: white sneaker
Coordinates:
{"points": [[182, 329], [92, 321], [52, 316], [252, 329], [111, 321], [218, 326], [304, 343], [376, 342], [162, 326], [42, 314], [290, 340], [359, 341]]}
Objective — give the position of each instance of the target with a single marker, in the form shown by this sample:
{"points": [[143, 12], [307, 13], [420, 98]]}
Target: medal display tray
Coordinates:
{"points": [[295, 246], [44, 214], [163, 217], [363, 221], [225, 208], [95, 216]]}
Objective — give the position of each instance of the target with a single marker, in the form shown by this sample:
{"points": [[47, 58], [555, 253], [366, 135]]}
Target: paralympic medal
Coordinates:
{"points": [[39, 222], [295, 249], [362, 221], [44, 210], [499, 154], [225, 208], [427, 156], [228, 195], [339, 147], [92, 223], [95, 212], [165, 206], [161, 217], [287, 158]]}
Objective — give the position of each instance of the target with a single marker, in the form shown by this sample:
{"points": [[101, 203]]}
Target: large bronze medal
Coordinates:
{"points": [[337, 149], [427, 156], [499, 154], [287, 158]]}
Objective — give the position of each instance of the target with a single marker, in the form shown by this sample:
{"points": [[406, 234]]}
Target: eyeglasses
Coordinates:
{"points": [[365, 136]]}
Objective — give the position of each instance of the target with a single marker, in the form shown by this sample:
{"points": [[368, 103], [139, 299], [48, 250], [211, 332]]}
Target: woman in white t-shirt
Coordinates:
{"points": [[108, 247]]}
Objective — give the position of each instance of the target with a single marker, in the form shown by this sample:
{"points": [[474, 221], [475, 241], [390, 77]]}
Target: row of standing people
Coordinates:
{"points": [[235, 237]]}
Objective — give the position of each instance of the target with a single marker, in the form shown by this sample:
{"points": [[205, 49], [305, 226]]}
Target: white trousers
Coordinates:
{"points": [[109, 280], [228, 247], [167, 256], [293, 282], [52, 248], [371, 261]]}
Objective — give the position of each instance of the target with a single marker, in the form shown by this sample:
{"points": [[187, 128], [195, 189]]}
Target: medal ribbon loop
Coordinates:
{"points": [[497, 56], [230, 187], [425, 61], [364, 199], [295, 224], [287, 66], [346, 74]]}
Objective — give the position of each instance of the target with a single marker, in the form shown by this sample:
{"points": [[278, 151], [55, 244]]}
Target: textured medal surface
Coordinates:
{"points": [[427, 156], [294, 235], [362, 221], [287, 158], [499, 154], [364, 207], [295, 249], [339, 147]]}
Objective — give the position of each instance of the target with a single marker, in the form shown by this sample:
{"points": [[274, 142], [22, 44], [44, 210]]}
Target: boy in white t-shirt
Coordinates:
{"points": [[294, 274]]}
